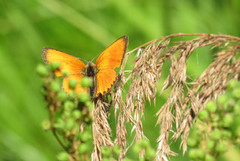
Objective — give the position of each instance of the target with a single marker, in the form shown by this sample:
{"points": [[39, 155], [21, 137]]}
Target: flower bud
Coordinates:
{"points": [[73, 94], [215, 118], [46, 125], [70, 123], [222, 99], [84, 97], [150, 154], [211, 107], [42, 70], [209, 158], [83, 148], [144, 143], [86, 82], [227, 120], [69, 105], [193, 154], [55, 86], [221, 148], [63, 156], [62, 95], [232, 84], [203, 115], [236, 93], [210, 144], [117, 149], [77, 114], [72, 83], [106, 151], [215, 134], [65, 73], [85, 136], [192, 142], [137, 148], [55, 66]]}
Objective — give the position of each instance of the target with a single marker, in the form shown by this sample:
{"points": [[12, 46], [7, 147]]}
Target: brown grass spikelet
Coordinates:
{"points": [[121, 131], [148, 70], [186, 98], [101, 129]]}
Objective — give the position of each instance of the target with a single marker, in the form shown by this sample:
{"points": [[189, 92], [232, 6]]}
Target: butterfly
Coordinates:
{"points": [[102, 73]]}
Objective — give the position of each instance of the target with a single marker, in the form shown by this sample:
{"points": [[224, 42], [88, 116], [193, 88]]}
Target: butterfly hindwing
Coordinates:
{"points": [[105, 80], [109, 59], [67, 62]]}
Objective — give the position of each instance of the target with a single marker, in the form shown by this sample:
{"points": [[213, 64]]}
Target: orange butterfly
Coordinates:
{"points": [[102, 73]]}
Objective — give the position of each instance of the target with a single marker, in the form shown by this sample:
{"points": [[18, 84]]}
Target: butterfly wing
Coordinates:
{"points": [[109, 59], [70, 63], [105, 80]]}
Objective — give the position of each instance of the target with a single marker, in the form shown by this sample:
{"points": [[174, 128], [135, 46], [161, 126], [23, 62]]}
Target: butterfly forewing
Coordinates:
{"points": [[112, 56], [109, 59], [70, 63]]}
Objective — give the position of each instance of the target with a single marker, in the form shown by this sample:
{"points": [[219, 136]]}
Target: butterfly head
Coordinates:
{"points": [[90, 70]]}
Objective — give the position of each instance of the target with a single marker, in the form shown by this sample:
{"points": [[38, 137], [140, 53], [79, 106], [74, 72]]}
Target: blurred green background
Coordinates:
{"points": [[84, 28]]}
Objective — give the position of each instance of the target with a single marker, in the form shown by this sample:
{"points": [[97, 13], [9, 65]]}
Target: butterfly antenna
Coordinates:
{"points": [[83, 60], [95, 57]]}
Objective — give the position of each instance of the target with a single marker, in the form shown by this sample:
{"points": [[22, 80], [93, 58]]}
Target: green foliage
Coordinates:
{"points": [[211, 138], [28, 26], [66, 117]]}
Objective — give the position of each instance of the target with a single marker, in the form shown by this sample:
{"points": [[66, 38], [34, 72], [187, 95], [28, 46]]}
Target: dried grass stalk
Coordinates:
{"points": [[121, 131], [186, 99], [101, 129]]}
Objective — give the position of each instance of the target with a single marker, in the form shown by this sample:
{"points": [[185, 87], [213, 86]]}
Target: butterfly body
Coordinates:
{"points": [[91, 71], [102, 73]]}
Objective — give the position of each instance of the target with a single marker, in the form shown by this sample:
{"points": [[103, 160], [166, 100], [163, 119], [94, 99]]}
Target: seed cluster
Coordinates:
{"points": [[70, 116]]}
